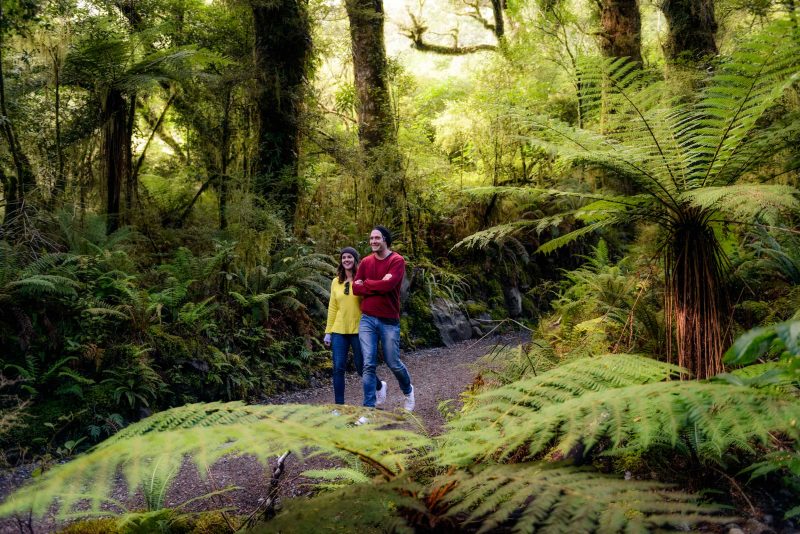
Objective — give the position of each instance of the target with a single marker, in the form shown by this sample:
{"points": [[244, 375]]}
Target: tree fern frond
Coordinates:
{"points": [[535, 497], [485, 238], [743, 87], [569, 237], [498, 420], [746, 202], [337, 477], [724, 418], [207, 432]]}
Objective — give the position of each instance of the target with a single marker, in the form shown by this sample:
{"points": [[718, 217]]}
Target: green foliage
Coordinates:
{"points": [[375, 507], [208, 432], [781, 339], [498, 420], [705, 419], [532, 497]]}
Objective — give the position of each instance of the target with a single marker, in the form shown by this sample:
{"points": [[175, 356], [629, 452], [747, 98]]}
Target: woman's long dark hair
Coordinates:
{"points": [[340, 270]]}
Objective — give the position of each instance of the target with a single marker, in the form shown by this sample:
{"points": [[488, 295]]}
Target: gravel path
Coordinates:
{"points": [[438, 374]]}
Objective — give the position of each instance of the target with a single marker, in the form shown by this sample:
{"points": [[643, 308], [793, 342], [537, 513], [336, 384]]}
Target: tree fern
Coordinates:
{"points": [[721, 419], [540, 498], [685, 161], [207, 432], [497, 421]]}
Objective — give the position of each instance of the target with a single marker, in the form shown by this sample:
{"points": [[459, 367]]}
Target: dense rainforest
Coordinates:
{"points": [[618, 179]]}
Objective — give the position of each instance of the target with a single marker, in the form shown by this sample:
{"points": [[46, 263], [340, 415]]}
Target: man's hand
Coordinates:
{"points": [[327, 340], [359, 282], [387, 276]]}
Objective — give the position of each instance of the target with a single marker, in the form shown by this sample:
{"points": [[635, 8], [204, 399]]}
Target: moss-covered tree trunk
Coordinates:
{"points": [[116, 143], [282, 52], [377, 132], [375, 119], [15, 187], [621, 34], [692, 29]]}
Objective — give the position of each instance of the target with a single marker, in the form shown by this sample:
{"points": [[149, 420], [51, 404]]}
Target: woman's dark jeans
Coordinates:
{"points": [[340, 343]]}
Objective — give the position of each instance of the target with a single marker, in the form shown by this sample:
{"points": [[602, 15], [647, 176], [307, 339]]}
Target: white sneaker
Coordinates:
{"points": [[380, 395], [362, 420], [335, 413], [410, 402]]}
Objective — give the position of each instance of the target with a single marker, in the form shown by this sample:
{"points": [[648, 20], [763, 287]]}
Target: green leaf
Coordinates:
{"points": [[750, 346]]}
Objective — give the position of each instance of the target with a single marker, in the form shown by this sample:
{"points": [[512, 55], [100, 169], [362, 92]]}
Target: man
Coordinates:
{"points": [[377, 281]]}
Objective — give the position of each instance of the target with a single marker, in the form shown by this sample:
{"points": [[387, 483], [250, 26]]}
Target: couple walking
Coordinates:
{"points": [[364, 308]]}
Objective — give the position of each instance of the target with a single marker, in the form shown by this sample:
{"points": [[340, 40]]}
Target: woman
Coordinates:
{"points": [[341, 332]]}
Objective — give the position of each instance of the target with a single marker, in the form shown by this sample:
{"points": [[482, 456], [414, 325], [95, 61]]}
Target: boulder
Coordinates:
{"points": [[513, 299], [452, 323]]}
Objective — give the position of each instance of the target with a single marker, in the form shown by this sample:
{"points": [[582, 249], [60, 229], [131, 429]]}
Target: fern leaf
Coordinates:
{"points": [[498, 420], [533, 498], [207, 432], [723, 418]]}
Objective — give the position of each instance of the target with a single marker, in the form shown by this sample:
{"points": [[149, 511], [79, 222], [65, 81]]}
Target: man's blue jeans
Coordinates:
{"points": [[371, 330], [340, 343]]}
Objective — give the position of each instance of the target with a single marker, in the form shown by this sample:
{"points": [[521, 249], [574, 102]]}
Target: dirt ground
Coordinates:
{"points": [[439, 376]]}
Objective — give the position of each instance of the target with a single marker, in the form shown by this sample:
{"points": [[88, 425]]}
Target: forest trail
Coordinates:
{"points": [[438, 374]]}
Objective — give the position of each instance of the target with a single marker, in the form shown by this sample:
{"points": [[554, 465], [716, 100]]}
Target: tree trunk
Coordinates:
{"points": [[499, 25], [61, 179], [377, 133], [282, 57], [224, 160], [115, 137], [622, 29], [16, 187], [375, 121], [697, 307], [692, 29], [130, 177]]}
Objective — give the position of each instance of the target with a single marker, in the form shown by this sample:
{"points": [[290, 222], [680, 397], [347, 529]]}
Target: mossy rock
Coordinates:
{"points": [[105, 525], [476, 309], [416, 327]]}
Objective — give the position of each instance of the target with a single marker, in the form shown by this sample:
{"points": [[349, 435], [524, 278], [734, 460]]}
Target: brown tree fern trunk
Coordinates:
{"points": [[697, 308]]}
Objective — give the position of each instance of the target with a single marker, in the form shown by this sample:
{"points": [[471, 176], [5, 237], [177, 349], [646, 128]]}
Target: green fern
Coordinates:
{"points": [[538, 498], [720, 419], [498, 421], [207, 432]]}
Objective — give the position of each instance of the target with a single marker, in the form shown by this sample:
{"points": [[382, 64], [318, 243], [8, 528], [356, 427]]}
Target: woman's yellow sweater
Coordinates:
{"points": [[344, 311]]}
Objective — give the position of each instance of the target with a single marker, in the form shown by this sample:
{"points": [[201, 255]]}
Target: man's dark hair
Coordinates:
{"points": [[387, 235]]}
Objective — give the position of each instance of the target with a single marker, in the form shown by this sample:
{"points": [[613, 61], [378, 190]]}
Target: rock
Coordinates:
{"points": [[513, 300], [405, 287], [736, 530], [451, 322]]}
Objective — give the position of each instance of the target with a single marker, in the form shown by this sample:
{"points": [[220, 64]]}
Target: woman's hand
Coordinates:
{"points": [[327, 340]]}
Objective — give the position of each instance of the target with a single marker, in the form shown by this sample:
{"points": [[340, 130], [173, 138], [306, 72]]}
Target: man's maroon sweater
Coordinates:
{"points": [[381, 298]]}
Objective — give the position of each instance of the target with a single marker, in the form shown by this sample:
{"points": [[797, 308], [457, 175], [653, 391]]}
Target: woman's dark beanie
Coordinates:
{"points": [[352, 251], [387, 235]]}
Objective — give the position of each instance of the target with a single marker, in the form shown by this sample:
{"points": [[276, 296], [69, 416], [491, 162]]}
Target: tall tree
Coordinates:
{"points": [[375, 119], [621, 34], [692, 29], [22, 181], [282, 51]]}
